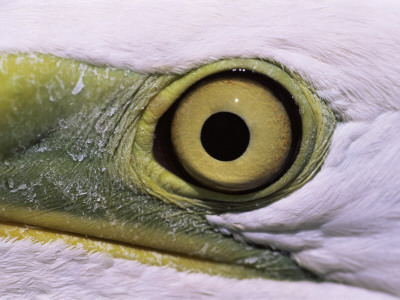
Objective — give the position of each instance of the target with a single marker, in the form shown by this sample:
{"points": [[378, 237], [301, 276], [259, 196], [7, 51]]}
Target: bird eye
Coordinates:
{"points": [[232, 135], [232, 132]]}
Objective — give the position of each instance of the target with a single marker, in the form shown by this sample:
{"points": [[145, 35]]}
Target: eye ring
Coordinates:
{"points": [[317, 126]]}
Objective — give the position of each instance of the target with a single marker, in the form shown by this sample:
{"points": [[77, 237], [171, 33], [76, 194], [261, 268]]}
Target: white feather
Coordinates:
{"points": [[56, 271], [346, 49], [343, 223]]}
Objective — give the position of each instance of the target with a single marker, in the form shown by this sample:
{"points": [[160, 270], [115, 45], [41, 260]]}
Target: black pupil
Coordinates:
{"points": [[225, 136]]}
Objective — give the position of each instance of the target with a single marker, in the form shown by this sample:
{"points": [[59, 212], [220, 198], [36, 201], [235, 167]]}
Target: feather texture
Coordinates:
{"points": [[56, 271], [341, 225]]}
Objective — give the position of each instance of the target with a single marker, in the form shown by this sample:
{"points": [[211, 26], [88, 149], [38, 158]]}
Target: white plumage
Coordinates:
{"points": [[342, 225]]}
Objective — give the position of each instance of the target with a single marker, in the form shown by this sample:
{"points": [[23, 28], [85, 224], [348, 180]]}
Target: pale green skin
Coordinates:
{"points": [[61, 156]]}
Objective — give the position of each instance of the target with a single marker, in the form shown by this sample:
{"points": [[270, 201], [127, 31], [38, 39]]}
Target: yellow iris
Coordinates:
{"points": [[262, 113], [289, 130]]}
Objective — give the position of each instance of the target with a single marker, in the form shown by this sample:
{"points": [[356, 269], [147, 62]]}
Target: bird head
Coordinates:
{"points": [[117, 174]]}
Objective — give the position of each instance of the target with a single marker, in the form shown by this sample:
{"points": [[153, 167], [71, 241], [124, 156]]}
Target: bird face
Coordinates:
{"points": [[88, 101]]}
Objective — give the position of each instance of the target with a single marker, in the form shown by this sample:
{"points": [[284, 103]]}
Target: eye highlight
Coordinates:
{"points": [[289, 135], [231, 133]]}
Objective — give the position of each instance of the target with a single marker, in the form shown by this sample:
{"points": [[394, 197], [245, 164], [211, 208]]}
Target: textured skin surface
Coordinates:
{"points": [[344, 223]]}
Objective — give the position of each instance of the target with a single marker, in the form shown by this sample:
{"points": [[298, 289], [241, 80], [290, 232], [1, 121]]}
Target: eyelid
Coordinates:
{"points": [[317, 127]]}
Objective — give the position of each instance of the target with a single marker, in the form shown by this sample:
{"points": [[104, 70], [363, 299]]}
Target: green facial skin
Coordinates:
{"points": [[66, 135]]}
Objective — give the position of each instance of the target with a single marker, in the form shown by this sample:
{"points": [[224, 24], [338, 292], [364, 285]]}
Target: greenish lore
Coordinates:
{"points": [[66, 134]]}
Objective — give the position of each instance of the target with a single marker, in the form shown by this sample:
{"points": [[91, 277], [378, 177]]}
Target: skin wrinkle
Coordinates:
{"points": [[101, 197], [346, 50], [126, 108]]}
